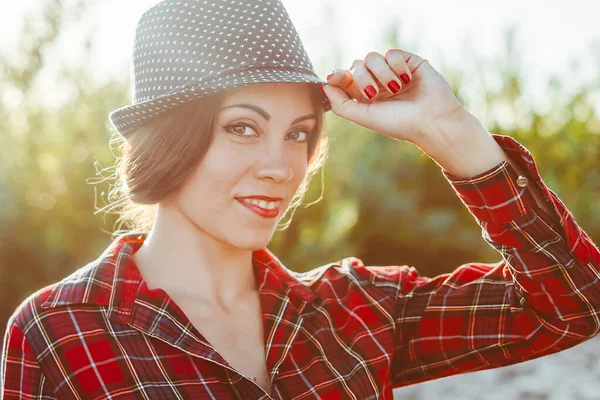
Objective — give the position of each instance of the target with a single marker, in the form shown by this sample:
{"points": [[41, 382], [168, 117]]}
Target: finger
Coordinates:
{"points": [[379, 67], [364, 80], [344, 106], [402, 62], [343, 79]]}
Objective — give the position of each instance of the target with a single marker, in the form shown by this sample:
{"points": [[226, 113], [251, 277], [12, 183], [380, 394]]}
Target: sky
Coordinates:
{"points": [[552, 37]]}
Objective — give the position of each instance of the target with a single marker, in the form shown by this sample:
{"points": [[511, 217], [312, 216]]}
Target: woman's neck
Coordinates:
{"points": [[190, 265]]}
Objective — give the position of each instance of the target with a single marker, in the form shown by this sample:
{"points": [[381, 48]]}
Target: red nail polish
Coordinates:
{"points": [[370, 91], [405, 78], [394, 87]]}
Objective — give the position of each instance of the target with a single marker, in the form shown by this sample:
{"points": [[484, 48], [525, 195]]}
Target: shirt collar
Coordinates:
{"points": [[114, 282], [113, 279]]}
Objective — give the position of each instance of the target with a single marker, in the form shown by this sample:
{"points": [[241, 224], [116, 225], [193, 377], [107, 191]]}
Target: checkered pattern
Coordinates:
{"points": [[186, 49], [340, 331]]}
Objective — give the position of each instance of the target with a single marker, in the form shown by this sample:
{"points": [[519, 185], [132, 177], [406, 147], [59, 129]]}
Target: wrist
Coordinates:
{"points": [[454, 129], [462, 146]]}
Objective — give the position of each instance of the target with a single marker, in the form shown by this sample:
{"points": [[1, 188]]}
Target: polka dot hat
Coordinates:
{"points": [[187, 49]]}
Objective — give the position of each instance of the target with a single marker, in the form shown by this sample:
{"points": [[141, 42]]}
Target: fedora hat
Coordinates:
{"points": [[187, 49]]}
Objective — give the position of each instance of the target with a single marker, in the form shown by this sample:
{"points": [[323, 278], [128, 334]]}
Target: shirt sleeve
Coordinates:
{"points": [[20, 375], [541, 298]]}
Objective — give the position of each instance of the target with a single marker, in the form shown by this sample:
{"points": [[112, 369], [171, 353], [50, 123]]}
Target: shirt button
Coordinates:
{"points": [[522, 181]]}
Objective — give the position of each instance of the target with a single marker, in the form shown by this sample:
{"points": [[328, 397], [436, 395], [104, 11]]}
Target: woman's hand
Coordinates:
{"points": [[422, 105], [424, 111]]}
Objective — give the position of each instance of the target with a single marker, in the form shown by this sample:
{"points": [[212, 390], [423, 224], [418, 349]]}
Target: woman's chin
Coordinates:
{"points": [[256, 242]]}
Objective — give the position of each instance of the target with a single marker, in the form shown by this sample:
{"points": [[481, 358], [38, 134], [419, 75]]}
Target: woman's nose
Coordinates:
{"points": [[273, 164]]}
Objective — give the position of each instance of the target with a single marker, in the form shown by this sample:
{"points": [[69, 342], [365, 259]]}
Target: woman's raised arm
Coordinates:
{"points": [[542, 297]]}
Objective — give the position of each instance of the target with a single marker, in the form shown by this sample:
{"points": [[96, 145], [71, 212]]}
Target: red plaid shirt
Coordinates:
{"points": [[340, 331]]}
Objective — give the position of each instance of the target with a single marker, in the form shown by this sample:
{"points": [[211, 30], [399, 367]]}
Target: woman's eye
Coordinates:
{"points": [[238, 129], [300, 136]]}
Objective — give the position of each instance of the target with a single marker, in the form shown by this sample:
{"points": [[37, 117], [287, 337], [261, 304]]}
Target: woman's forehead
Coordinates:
{"points": [[271, 95]]}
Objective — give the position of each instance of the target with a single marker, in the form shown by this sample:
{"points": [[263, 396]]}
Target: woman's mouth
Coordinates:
{"points": [[266, 209]]}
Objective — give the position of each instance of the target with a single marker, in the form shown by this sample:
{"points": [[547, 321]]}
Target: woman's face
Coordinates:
{"points": [[259, 148]]}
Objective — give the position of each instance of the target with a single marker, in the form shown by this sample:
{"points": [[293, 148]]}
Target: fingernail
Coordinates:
{"points": [[394, 86], [405, 78], [370, 91], [330, 75]]}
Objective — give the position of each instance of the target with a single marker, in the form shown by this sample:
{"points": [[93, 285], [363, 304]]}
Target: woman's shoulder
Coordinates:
{"points": [[30, 308], [39, 307], [350, 273]]}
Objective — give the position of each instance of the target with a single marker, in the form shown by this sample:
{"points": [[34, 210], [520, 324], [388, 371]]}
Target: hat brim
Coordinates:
{"points": [[127, 119]]}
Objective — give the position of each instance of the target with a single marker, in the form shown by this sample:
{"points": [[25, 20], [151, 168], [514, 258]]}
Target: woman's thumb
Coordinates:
{"points": [[343, 105]]}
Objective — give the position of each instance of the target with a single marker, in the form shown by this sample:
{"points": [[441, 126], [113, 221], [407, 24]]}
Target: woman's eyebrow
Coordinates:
{"points": [[266, 115]]}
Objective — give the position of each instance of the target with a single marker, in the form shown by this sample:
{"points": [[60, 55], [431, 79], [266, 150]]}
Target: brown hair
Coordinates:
{"points": [[158, 157]]}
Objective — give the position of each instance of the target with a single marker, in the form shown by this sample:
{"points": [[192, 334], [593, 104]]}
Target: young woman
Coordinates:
{"points": [[221, 141]]}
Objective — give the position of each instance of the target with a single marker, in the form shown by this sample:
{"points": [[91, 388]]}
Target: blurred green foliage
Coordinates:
{"points": [[384, 201]]}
